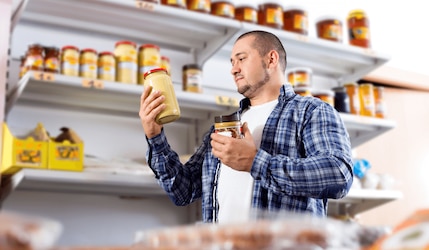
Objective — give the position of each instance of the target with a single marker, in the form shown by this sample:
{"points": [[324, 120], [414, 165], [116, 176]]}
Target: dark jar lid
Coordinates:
{"points": [[191, 66], [227, 118]]}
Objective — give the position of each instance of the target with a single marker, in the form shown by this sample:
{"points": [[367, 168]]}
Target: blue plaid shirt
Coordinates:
{"points": [[304, 159]]}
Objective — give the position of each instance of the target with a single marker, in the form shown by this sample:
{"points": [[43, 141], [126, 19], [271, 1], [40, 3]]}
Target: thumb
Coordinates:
{"points": [[245, 130]]}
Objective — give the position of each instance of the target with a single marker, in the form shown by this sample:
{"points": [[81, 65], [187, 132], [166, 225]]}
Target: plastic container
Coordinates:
{"points": [[271, 14], [70, 61], [299, 76], [228, 125], [192, 78], [352, 90], [358, 29], [88, 60], [222, 8], [106, 66], [35, 57], [52, 60], [366, 95], [246, 13], [149, 58], [295, 19], [203, 6], [161, 81], [341, 100], [126, 62], [329, 28]]}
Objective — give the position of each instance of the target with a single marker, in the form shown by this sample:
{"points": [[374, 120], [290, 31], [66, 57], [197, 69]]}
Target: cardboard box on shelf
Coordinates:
{"points": [[65, 156]]}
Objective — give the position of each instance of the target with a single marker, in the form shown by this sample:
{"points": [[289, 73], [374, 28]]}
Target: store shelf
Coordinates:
{"points": [[360, 200]]}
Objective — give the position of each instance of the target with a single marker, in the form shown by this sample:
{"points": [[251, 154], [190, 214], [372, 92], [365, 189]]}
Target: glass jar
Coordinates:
{"points": [[70, 61], [175, 3], [88, 63], [192, 77], [126, 62], [246, 13], [341, 100], [203, 6], [35, 57], [295, 20], [302, 91], [106, 66], [358, 27], [352, 90], [228, 125], [270, 14], [52, 60], [165, 64], [222, 8], [366, 95], [325, 95], [299, 76], [380, 109], [161, 81], [22, 69], [148, 58], [329, 28]]}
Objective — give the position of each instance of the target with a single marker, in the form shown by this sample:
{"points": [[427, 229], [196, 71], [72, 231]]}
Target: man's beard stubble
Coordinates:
{"points": [[249, 90]]}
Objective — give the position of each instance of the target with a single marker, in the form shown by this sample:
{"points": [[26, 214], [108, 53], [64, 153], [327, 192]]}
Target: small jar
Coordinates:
{"points": [[246, 13], [295, 20], [52, 60], [380, 109], [302, 91], [329, 28], [35, 57], [366, 94], [222, 8], [358, 27], [70, 61], [88, 63], [126, 62], [165, 64], [148, 58], [300, 76], [203, 6], [228, 125], [175, 3], [161, 81], [341, 100], [271, 15], [22, 69], [106, 66], [352, 90], [192, 77], [325, 95]]}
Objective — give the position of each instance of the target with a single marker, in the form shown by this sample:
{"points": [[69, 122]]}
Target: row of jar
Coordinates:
{"points": [[289, 18], [364, 99]]}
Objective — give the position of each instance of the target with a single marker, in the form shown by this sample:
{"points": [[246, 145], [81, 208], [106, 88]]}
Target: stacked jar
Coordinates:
{"points": [[126, 62], [271, 14], [203, 6], [222, 8], [295, 19], [329, 28], [246, 12], [149, 58], [88, 60]]}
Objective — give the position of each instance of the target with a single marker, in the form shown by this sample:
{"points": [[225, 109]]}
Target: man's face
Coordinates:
{"points": [[248, 68]]}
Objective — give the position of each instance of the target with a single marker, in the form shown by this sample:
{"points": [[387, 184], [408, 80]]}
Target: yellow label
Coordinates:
{"points": [[361, 33], [274, 16], [333, 31], [226, 101], [300, 22], [250, 15]]}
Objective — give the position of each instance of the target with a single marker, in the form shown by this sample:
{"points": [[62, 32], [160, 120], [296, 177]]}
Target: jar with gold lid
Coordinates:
{"points": [[367, 101], [352, 90], [329, 28], [88, 63], [271, 14], [106, 66], [302, 91], [222, 8], [358, 27], [300, 76], [70, 60], [246, 13], [52, 60], [126, 62], [175, 3], [22, 69], [149, 58], [295, 19], [34, 57], [203, 6]]}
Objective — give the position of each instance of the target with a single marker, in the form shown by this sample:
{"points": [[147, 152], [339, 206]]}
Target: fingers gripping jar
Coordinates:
{"points": [[228, 125], [159, 80]]}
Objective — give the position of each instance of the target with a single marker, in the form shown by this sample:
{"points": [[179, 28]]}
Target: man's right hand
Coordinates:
{"points": [[151, 104]]}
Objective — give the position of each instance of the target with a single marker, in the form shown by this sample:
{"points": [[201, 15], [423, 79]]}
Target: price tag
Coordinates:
{"points": [[92, 83], [369, 52], [302, 38], [140, 4], [226, 101], [43, 76]]}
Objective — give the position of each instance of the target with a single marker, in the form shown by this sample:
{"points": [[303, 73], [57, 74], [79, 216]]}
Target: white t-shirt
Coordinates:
{"points": [[235, 187]]}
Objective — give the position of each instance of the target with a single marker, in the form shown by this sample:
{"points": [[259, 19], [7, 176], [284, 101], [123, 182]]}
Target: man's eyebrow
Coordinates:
{"points": [[237, 54]]}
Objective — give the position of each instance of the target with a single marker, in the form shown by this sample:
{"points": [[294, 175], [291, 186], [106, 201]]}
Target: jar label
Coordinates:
{"points": [[52, 63], [332, 31], [70, 68], [225, 10], [274, 16], [300, 22], [361, 33], [250, 15]]}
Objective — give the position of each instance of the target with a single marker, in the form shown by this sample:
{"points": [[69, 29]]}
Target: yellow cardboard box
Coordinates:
{"points": [[65, 156], [22, 153]]}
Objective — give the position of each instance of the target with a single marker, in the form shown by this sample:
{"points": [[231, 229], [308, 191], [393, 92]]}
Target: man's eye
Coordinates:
{"points": [[241, 59]]}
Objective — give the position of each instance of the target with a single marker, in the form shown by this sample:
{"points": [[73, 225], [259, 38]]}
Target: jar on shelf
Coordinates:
{"points": [[325, 95], [352, 90], [295, 19], [165, 64], [358, 27], [341, 100], [106, 66], [88, 60], [271, 14], [380, 109], [366, 95], [192, 78], [22, 69], [70, 60], [228, 125], [329, 28], [203, 6], [126, 62], [222, 8], [246, 13], [302, 91], [175, 3], [299, 76], [159, 80], [149, 58], [34, 57], [52, 60]]}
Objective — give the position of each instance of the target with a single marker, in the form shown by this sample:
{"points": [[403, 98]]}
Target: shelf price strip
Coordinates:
{"points": [[140, 4], [43, 76], [226, 101], [92, 83]]}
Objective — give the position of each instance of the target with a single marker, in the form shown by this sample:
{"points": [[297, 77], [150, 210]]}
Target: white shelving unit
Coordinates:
{"points": [[202, 36]]}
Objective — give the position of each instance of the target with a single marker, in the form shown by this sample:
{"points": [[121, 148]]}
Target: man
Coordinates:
{"points": [[295, 152]]}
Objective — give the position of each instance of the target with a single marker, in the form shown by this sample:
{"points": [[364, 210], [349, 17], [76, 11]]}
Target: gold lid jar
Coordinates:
{"points": [[299, 76], [70, 60], [106, 66], [222, 8], [228, 125], [52, 59], [367, 102], [149, 58], [126, 62], [192, 77], [88, 63], [352, 90], [358, 27], [302, 91], [161, 81], [271, 15], [203, 6], [295, 20], [329, 28], [246, 13], [34, 57]]}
